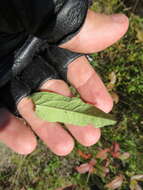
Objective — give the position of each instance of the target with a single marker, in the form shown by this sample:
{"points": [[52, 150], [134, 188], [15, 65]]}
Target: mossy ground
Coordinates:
{"points": [[42, 170]]}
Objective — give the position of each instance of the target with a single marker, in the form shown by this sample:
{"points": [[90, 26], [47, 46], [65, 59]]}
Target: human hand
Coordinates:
{"points": [[98, 32], [31, 78], [89, 86]]}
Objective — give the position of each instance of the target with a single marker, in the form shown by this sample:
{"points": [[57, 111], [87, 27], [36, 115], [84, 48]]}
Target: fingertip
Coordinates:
{"points": [[91, 137], [62, 148], [122, 25], [99, 31], [106, 104], [85, 135], [120, 19], [27, 147], [16, 134]]}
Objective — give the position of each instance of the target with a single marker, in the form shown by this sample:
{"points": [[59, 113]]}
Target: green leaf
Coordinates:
{"points": [[57, 108]]}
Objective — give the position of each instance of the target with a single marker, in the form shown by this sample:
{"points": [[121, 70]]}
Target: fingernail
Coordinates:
{"points": [[119, 18]]}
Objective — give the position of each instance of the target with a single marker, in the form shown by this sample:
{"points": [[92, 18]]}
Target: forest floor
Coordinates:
{"points": [[117, 159]]}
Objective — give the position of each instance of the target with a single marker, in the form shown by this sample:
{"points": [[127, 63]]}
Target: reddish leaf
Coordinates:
{"points": [[91, 170], [83, 168], [116, 147], [87, 167], [103, 154], [115, 155], [115, 150], [83, 155], [92, 162], [116, 183]]}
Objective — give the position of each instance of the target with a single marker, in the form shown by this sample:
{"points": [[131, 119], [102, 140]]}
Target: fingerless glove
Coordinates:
{"points": [[22, 68], [44, 63], [26, 82], [54, 21], [60, 58]]}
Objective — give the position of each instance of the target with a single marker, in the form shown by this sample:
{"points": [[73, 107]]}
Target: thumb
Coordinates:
{"points": [[98, 32]]}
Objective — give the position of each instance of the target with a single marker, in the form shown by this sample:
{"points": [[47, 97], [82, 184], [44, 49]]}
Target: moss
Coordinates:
{"points": [[42, 170]]}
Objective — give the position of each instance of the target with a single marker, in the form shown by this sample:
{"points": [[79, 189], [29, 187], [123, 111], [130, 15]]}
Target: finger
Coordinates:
{"points": [[91, 88], [87, 135], [15, 134], [54, 136], [98, 32], [58, 140]]}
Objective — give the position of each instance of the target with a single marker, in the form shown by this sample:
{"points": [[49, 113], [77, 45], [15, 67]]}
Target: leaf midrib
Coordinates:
{"points": [[89, 115]]}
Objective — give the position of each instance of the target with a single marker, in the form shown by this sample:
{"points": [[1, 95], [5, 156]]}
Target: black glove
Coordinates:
{"points": [[60, 59], [44, 63], [54, 20], [27, 81], [15, 62]]}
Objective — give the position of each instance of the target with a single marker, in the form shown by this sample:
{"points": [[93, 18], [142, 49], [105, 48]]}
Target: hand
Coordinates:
{"points": [[98, 32], [21, 139]]}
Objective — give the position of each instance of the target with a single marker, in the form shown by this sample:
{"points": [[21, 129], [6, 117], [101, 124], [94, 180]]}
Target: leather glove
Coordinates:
{"points": [[15, 62], [54, 20], [45, 63], [25, 71], [27, 81], [60, 59]]}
